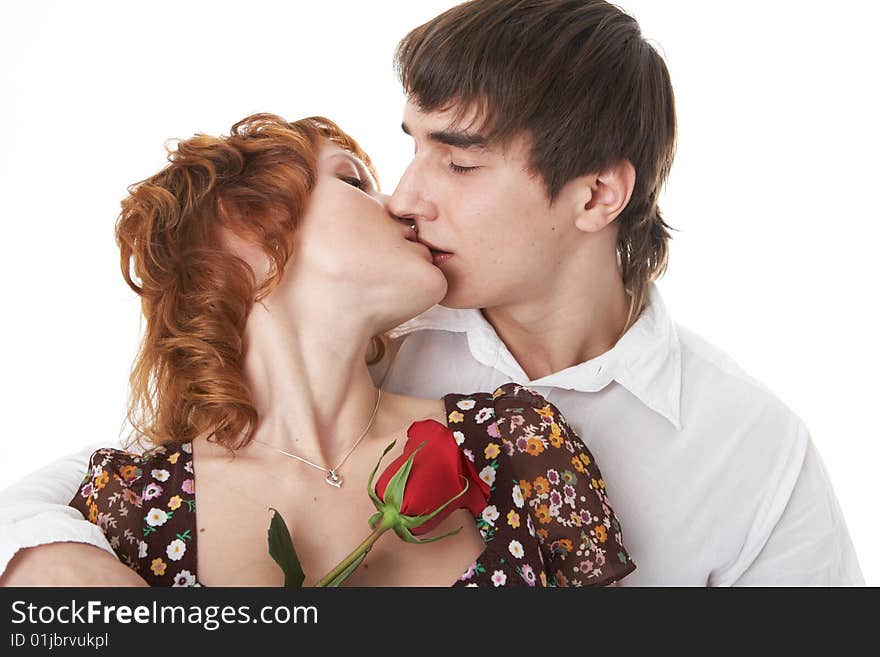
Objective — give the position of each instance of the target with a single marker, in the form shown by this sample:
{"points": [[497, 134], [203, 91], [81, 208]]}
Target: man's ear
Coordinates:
{"points": [[606, 195]]}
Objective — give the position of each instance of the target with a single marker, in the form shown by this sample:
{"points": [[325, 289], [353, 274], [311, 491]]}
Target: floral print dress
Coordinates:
{"points": [[547, 522], [145, 504]]}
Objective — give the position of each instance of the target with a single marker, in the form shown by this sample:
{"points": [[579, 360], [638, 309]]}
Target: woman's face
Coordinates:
{"points": [[350, 253]]}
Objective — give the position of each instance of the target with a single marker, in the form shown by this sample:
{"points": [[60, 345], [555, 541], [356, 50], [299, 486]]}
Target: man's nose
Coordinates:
{"points": [[384, 199], [411, 199]]}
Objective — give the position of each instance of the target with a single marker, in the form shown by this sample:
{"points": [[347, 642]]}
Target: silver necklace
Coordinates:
{"points": [[333, 478]]}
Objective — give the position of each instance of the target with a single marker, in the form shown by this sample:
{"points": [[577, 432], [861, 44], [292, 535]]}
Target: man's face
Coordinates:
{"points": [[485, 216]]}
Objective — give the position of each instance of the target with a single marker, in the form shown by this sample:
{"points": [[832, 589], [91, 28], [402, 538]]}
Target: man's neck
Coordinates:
{"points": [[564, 329]]}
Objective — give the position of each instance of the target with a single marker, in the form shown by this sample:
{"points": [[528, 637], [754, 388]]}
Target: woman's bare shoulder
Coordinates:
{"points": [[404, 410]]}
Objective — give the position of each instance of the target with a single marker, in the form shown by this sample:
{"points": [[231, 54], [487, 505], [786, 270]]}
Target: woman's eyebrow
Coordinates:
{"points": [[362, 169], [344, 155], [351, 158]]}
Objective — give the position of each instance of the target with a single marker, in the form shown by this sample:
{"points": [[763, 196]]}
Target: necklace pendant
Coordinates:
{"points": [[333, 479]]}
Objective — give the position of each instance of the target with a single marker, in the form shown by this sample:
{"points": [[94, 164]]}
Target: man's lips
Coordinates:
{"points": [[434, 249], [438, 255]]}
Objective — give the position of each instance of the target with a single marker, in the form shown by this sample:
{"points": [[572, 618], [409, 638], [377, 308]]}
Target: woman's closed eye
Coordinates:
{"points": [[354, 181]]}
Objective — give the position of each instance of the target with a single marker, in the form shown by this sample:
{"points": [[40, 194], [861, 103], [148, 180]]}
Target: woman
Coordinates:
{"points": [[266, 263]]}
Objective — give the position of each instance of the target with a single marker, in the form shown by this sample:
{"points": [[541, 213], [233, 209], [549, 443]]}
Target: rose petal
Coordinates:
{"points": [[436, 476]]}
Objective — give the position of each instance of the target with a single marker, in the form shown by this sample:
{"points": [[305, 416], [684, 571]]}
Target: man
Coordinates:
{"points": [[544, 131]]}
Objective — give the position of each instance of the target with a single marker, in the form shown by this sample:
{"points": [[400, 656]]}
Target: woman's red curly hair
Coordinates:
{"points": [[187, 379]]}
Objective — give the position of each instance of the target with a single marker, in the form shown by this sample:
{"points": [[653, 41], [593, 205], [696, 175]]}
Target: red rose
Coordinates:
{"points": [[421, 487], [439, 471]]}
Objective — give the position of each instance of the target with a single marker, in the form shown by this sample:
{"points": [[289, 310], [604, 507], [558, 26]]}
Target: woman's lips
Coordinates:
{"points": [[425, 249]]}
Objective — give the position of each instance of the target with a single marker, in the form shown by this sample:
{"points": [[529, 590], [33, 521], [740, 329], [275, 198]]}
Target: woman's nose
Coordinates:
{"points": [[385, 200]]}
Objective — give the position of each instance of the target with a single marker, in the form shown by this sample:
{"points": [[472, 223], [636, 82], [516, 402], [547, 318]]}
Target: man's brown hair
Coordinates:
{"points": [[579, 78]]}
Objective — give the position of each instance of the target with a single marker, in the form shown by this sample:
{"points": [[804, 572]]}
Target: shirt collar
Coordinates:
{"points": [[646, 360]]}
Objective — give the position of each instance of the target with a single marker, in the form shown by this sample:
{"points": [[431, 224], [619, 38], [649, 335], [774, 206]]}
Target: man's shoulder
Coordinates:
{"points": [[714, 380], [710, 357], [706, 359]]}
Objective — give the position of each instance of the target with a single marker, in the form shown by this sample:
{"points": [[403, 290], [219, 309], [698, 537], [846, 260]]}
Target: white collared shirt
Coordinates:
{"points": [[715, 482]]}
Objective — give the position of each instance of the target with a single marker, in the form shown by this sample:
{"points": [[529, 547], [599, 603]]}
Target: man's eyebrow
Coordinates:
{"points": [[456, 138]]}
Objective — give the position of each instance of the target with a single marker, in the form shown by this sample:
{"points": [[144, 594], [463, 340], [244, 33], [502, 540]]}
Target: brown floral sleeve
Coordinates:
{"points": [[563, 488], [145, 504], [107, 497]]}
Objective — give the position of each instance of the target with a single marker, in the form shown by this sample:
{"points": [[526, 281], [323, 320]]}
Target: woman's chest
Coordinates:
{"points": [[234, 510]]}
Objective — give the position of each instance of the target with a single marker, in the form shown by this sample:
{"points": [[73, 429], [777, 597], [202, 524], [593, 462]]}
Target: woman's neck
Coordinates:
{"points": [[309, 382]]}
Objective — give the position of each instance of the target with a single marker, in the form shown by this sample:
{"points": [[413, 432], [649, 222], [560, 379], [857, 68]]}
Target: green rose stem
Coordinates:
{"points": [[357, 556], [388, 516]]}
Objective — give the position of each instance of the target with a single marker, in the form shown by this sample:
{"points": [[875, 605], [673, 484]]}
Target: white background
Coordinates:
{"points": [[772, 192]]}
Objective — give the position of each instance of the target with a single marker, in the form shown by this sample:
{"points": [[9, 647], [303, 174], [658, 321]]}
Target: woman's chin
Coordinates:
{"points": [[420, 293], [439, 287]]}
